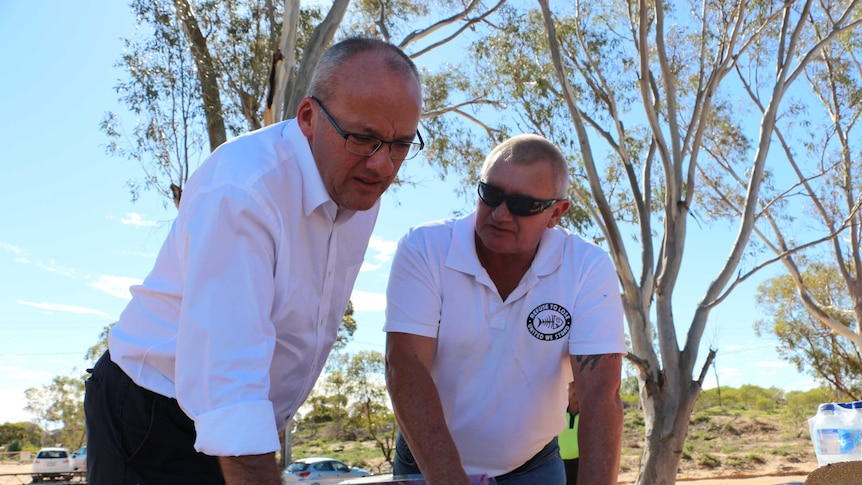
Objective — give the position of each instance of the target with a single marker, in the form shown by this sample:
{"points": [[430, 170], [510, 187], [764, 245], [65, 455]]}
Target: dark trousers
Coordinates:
{"points": [[138, 437], [571, 471]]}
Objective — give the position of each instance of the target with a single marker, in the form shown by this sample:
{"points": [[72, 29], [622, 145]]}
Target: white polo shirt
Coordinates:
{"points": [[243, 304], [502, 367]]}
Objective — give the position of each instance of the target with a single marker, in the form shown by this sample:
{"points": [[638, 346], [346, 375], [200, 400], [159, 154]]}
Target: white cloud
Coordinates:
{"points": [[137, 254], [24, 374], [12, 406], [382, 253], [366, 301], [19, 255], [117, 286], [11, 248], [135, 219], [59, 307], [52, 267]]}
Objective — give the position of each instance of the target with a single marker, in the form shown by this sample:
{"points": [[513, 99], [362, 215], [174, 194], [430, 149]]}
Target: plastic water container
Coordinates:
{"points": [[836, 432]]}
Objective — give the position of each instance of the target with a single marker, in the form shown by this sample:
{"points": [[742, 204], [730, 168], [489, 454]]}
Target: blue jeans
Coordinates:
{"points": [[546, 468]]}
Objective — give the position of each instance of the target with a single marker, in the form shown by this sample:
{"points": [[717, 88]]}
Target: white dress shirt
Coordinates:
{"points": [[245, 299]]}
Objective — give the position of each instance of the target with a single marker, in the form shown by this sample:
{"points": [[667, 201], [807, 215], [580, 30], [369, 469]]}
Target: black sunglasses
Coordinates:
{"points": [[518, 205]]}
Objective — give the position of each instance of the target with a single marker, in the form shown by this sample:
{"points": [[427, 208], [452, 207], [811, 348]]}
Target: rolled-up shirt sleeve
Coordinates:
{"points": [[226, 337]]}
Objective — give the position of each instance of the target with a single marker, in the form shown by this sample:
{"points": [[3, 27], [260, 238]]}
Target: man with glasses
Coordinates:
{"points": [[489, 316], [228, 333]]}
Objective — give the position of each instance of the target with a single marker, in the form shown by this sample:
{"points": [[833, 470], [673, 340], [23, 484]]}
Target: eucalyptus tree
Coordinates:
{"points": [[371, 410], [59, 405], [821, 147], [200, 72], [642, 94], [803, 341]]}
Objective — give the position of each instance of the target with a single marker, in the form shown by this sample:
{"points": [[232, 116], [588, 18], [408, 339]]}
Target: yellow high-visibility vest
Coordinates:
{"points": [[569, 438]]}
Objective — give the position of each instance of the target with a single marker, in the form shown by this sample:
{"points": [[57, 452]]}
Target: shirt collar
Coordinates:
{"points": [[462, 254], [314, 194]]}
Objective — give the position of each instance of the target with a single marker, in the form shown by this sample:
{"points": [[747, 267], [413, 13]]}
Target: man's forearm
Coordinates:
{"points": [[250, 470], [600, 432], [420, 416]]}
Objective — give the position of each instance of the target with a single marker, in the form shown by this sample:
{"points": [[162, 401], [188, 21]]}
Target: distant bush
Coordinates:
{"points": [[14, 445], [708, 460], [764, 404]]}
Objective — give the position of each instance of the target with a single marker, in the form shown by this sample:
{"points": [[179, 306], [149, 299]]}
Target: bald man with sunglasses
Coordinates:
{"points": [[489, 316]]}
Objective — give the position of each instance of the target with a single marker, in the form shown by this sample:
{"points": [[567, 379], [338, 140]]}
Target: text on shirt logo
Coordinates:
{"points": [[549, 321]]}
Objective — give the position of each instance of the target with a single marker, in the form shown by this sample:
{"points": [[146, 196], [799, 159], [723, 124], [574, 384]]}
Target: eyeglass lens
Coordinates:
{"points": [[518, 205], [366, 145]]}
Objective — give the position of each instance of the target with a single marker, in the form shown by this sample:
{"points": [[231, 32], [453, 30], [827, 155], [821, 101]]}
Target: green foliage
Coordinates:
{"points": [[25, 434], [350, 402], [96, 351], [60, 405], [803, 340], [708, 460], [14, 445], [346, 329]]}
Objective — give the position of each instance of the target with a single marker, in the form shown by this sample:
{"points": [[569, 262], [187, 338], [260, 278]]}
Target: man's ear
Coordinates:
{"points": [[560, 208], [305, 117]]}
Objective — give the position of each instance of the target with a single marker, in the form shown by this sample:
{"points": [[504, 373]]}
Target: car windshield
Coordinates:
{"points": [[297, 466], [52, 454]]}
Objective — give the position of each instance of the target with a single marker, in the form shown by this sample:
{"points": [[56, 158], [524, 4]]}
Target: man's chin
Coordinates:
{"points": [[359, 202]]}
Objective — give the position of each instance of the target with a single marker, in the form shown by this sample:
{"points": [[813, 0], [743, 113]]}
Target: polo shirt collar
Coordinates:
{"points": [[462, 254], [314, 193]]}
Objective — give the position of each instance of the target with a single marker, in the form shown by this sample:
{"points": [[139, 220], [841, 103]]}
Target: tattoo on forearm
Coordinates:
{"points": [[588, 360]]}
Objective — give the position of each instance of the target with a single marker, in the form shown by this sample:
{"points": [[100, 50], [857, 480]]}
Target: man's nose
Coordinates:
{"points": [[381, 163], [501, 212]]}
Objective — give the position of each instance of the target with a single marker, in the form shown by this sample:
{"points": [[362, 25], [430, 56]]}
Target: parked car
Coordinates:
{"points": [[79, 459], [320, 471], [52, 464]]}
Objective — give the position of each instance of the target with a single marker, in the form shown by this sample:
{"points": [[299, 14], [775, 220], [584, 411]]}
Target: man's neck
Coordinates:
{"points": [[505, 270]]}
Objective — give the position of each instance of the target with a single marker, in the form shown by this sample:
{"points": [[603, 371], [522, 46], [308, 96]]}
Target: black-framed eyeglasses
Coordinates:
{"points": [[366, 146], [518, 205]]}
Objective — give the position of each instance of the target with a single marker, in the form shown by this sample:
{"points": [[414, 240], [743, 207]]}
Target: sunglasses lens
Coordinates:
{"points": [[518, 205], [490, 195], [522, 206]]}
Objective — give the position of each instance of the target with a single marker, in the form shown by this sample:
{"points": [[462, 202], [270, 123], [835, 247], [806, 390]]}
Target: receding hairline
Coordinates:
{"points": [[325, 73], [528, 149]]}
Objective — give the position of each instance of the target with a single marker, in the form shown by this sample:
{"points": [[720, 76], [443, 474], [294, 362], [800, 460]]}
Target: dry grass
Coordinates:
{"points": [[730, 444], [721, 444]]}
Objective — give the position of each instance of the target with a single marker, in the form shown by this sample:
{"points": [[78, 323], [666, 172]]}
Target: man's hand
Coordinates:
{"points": [[250, 470]]}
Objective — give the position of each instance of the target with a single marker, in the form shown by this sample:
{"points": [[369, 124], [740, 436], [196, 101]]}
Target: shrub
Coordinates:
{"points": [[708, 460], [14, 445]]}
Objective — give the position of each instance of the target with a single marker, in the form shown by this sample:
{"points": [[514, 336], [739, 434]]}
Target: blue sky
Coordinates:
{"points": [[72, 242]]}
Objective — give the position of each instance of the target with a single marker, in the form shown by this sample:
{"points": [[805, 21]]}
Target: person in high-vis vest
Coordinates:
{"points": [[569, 438]]}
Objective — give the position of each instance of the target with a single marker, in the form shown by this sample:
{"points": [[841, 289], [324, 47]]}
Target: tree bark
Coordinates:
{"points": [[207, 73]]}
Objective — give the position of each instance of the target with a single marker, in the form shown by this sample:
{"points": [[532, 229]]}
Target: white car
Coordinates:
{"points": [[319, 471], [52, 464], [79, 459]]}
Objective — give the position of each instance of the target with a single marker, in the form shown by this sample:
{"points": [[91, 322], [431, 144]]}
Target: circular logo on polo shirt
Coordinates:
{"points": [[549, 321]]}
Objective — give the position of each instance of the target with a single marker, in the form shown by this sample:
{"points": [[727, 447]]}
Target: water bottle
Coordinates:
{"points": [[836, 432], [857, 419]]}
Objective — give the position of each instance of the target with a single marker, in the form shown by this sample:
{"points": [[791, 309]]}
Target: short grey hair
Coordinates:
{"points": [[338, 54], [528, 149]]}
